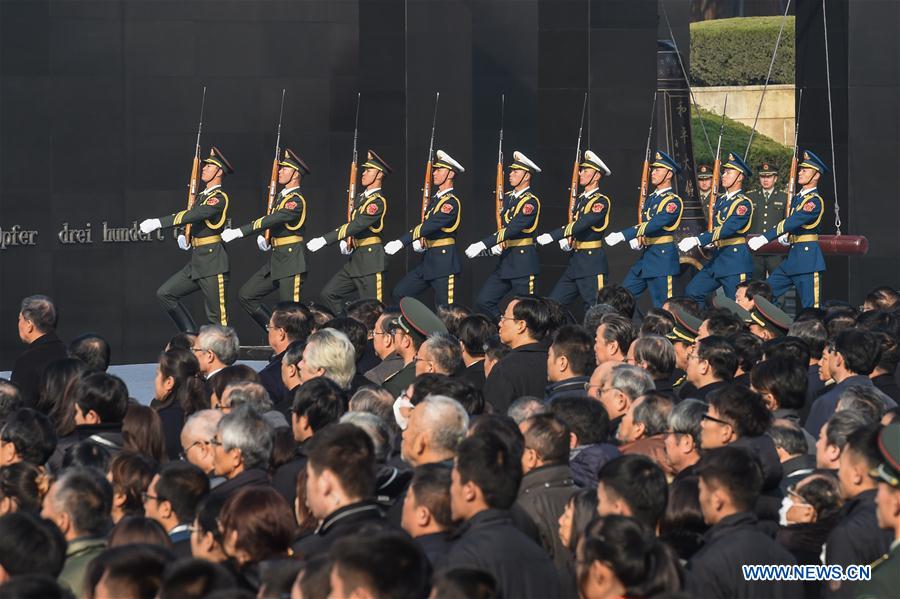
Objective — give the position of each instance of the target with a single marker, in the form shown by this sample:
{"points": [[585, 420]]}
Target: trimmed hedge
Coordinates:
{"points": [[734, 139], [738, 51]]}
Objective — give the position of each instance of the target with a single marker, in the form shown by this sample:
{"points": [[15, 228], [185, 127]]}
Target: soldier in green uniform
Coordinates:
{"points": [[359, 238], [704, 186], [885, 581], [287, 264], [768, 210], [415, 324], [208, 269]]}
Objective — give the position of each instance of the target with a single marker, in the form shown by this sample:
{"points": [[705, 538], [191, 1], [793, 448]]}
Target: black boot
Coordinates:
{"points": [[261, 316], [182, 319]]}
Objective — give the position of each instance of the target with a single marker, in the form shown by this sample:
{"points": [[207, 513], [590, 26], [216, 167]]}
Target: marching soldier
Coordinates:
{"points": [[436, 237], [583, 237], [287, 263], [704, 186], [514, 244], [768, 206], [208, 269], [359, 238], [731, 262], [805, 263], [659, 221]]}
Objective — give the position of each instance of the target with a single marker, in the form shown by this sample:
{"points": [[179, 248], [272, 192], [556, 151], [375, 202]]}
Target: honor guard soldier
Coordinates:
{"points": [[885, 580], [731, 262], [803, 267], [436, 237], [514, 243], [287, 263], [704, 186], [659, 221], [208, 269], [583, 237], [768, 204], [359, 238]]}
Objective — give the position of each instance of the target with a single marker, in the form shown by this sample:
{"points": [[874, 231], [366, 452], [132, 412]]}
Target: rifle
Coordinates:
{"points": [[498, 188], [351, 187], [645, 171], [195, 167], [573, 187], [273, 179], [717, 170], [426, 187], [792, 179]]}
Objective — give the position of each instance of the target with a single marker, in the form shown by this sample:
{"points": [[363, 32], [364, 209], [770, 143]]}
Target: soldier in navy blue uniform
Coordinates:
{"points": [[360, 239], [731, 262], [583, 237], [435, 236], [287, 264], [805, 263], [655, 233], [514, 243], [208, 269]]}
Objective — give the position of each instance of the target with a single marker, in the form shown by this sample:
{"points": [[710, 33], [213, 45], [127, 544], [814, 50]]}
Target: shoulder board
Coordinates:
{"points": [[671, 196], [294, 194]]}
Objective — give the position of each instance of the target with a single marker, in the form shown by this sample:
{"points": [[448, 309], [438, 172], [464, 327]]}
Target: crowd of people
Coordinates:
{"points": [[393, 452]]}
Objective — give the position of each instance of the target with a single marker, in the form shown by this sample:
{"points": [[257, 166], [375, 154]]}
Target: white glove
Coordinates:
{"points": [[392, 247], [545, 238], [757, 242], [688, 243], [345, 248], [475, 249], [418, 246], [497, 250], [183, 243], [314, 245], [783, 240], [150, 225], [613, 239], [564, 244], [262, 244], [634, 244], [231, 235]]}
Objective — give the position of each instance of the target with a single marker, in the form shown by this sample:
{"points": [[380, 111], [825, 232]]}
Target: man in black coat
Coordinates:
{"points": [[37, 329], [290, 322], [523, 371], [484, 483], [730, 483], [242, 449], [570, 361], [426, 510]]}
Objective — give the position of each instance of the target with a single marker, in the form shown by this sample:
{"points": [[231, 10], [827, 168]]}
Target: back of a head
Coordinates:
{"points": [[723, 323], [748, 348], [263, 521], [320, 400], [451, 315], [867, 400], [504, 428], [104, 394], [464, 583], [464, 392], [653, 412], [813, 335], [230, 375], [473, 333], [34, 586], [631, 380], [548, 436], [861, 350], [86, 496], [743, 408], [40, 311], [736, 471], [139, 529], [657, 353], [841, 425], [487, 461], [246, 430], [525, 407], [430, 485], [348, 453], [576, 344], [587, 419], [839, 318], [619, 329], [790, 348], [759, 288], [863, 445], [720, 354], [332, 351], [536, 315], [221, 341], [134, 571], [788, 437], [785, 380], [883, 298], [657, 322], [619, 298], [388, 565], [640, 483], [377, 430], [183, 485], [32, 435], [366, 311], [193, 578], [443, 349], [93, 350], [593, 315], [252, 395], [10, 399], [445, 420], [644, 565], [354, 330], [30, 544], [686, 418], [294, 319]]}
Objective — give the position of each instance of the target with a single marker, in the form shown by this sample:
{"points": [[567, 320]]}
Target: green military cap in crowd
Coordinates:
{"points": [[770, 317], [417, 320], [889, 447], [720, 300], [687, 326], [767, 168], [704, 171]]}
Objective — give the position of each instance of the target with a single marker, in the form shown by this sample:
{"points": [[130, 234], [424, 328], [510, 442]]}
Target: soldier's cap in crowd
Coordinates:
{"points": [[663, 160], [767, 168], [737, 163], [687, 327], [593, 161], [417, 320], [445, 160], [218, 158], [889, 447], [522, 162], [375, 161], [720, 300], [291, 160], [810, 160], [704, 171], [770, 317]]}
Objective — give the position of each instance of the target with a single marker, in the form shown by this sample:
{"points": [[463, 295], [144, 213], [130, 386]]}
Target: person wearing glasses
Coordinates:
{"points": [[809, 511], [682, 438], [440, 354], [196, 448], [242, 448], [216, 347], [415, 323], [710, 366], [385, 348], [172, 498]]}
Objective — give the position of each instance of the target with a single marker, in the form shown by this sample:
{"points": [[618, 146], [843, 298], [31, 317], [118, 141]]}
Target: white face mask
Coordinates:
{"points": [[401, 402], [786, 504]]}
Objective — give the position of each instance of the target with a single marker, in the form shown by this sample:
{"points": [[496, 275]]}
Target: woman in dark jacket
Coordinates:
{"points": [[179, 391]]}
